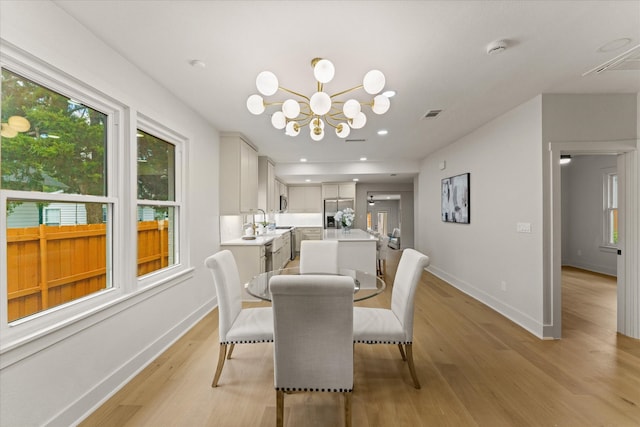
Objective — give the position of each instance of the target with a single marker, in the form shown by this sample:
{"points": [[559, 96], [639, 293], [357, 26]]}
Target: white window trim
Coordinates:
{"points": [[606, 246], [180, 143], [24, 337]]}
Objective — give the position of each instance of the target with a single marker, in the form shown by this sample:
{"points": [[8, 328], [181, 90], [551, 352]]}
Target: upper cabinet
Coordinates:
{"points": [[305, 199], [346, 190], [268, 195], [238, 175]]}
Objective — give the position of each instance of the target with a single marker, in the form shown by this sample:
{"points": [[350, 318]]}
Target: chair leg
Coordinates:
{"points": [[412, 368], [221, 355], [402, 352], [279, 408], [347, 409], [231, 347]]}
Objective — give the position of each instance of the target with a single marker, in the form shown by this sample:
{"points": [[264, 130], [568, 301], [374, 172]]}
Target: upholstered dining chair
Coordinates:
{"points": [[313, 336], [235, 325], [394, 325], [319, 256]]}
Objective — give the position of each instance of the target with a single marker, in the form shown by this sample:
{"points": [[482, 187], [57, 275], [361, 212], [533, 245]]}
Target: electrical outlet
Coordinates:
{"points": [[503, 286]]}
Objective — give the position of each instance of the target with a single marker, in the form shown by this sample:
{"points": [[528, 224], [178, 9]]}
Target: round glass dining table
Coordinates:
{"points": [[365, 285]]}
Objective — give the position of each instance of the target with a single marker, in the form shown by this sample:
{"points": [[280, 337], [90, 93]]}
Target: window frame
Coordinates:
{"points": [[26, 336], [607, 196], [180, 143]]}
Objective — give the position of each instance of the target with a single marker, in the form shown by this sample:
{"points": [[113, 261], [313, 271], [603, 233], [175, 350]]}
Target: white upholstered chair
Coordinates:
{"points": [[235, 325], [395, 325], [313, 336], [319, 256]]}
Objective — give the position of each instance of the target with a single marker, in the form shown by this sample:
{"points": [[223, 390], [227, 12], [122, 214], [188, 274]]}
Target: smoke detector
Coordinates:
{"points": [[496, 47]]}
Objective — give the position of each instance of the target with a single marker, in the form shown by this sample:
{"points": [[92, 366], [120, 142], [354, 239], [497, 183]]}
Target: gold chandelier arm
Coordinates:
{"points": [[294, 93], [346, 91]]}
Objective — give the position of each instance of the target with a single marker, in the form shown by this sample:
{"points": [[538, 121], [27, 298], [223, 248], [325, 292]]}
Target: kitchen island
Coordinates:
{"points": [[356, 249]]}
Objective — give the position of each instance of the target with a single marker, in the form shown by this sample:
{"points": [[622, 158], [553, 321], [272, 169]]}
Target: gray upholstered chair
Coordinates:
{"points": [[313, 336], [395, 325], [235, 325], [394, 239], [319, 256]]}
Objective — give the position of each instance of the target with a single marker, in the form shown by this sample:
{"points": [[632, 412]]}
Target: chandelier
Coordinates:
{"points": [[320, 109], [14, 125]]}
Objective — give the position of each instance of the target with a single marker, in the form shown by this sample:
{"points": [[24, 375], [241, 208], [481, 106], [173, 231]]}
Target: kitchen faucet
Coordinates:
{"points": [[264, 216]]}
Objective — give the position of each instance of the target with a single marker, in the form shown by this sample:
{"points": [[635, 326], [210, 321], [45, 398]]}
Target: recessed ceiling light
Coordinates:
{"points": [[307, 180], [389, 93], [303, 159], [363, 159], [356, 179], [383, 132]]}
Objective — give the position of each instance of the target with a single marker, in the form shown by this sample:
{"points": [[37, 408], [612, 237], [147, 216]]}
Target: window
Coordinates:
{"points": [[158, 206], [53, 168], [611, 209]]}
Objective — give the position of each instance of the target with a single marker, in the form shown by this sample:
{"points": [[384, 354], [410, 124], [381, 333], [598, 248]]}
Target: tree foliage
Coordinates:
{"points": [[64, 149]]}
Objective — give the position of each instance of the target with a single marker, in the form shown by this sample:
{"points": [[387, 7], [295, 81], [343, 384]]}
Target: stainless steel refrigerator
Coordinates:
{"points": [[331, 206]]}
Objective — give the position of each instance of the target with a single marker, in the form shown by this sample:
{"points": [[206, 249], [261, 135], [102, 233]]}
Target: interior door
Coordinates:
{"points": [[621, 273]]}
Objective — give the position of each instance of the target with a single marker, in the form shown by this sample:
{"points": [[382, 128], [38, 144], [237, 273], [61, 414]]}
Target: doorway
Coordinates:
{"points": [[628, 289], [589, 240]]}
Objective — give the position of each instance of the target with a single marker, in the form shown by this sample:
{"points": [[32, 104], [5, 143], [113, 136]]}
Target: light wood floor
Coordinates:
{"points": [[476, 368]]}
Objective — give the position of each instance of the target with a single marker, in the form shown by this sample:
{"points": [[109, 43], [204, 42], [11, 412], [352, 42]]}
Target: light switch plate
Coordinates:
{"points": [[523, 227]]}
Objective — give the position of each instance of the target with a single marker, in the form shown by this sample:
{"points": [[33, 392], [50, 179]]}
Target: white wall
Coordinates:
{"points": [[508, 159], [582, 214], [71, 370], [487, 258]]}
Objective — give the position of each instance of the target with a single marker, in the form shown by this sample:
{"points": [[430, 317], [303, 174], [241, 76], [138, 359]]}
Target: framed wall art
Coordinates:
{"points": [[456, 199]]}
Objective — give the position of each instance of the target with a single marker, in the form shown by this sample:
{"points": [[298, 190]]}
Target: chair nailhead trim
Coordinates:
{"points": [[381, 342], [332, 390], [247, 341]]}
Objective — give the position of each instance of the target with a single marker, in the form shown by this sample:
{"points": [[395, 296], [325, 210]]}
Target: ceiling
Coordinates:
{"points": [[433, 54]]}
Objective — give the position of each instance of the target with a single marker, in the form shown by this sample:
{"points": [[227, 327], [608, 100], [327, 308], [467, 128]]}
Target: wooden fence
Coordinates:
{"points": [[51, 265]]}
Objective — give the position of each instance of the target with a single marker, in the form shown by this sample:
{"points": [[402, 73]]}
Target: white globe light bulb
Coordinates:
{"points": [[291, 108], [381, 104], [343, 130], [373, 82], [278, 120], [292, 129], [267, 83], [316, 134], [351, 108], [255, 104], [324, 71], [320, 103], [359, 121]]}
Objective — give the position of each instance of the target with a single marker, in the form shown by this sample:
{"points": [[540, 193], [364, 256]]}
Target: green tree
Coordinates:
{"points": [[64, 150]]}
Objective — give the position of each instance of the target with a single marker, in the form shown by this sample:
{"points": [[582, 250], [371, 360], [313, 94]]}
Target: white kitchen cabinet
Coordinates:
{"points": [[267, 185], [307, 233], [251, 262], [305, 199], [281, 248], [238, 175], [345, 190]]}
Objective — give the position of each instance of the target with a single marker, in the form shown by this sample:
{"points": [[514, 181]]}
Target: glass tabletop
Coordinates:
{"points": [[365, 285]]}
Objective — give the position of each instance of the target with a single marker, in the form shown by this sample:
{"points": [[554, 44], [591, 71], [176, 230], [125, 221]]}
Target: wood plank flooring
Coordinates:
{"points": [[476, 369]]}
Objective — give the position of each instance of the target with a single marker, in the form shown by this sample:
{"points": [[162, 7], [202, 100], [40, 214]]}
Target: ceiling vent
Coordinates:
{"points": [[629, 60], [432, 114], [355, 140]]}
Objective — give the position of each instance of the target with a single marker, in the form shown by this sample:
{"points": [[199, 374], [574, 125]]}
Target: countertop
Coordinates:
{"points": [[262, 239], [355, 235]]}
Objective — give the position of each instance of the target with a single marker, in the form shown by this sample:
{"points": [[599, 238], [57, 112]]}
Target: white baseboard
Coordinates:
{"points": [[511, 313], [85, 405]]}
